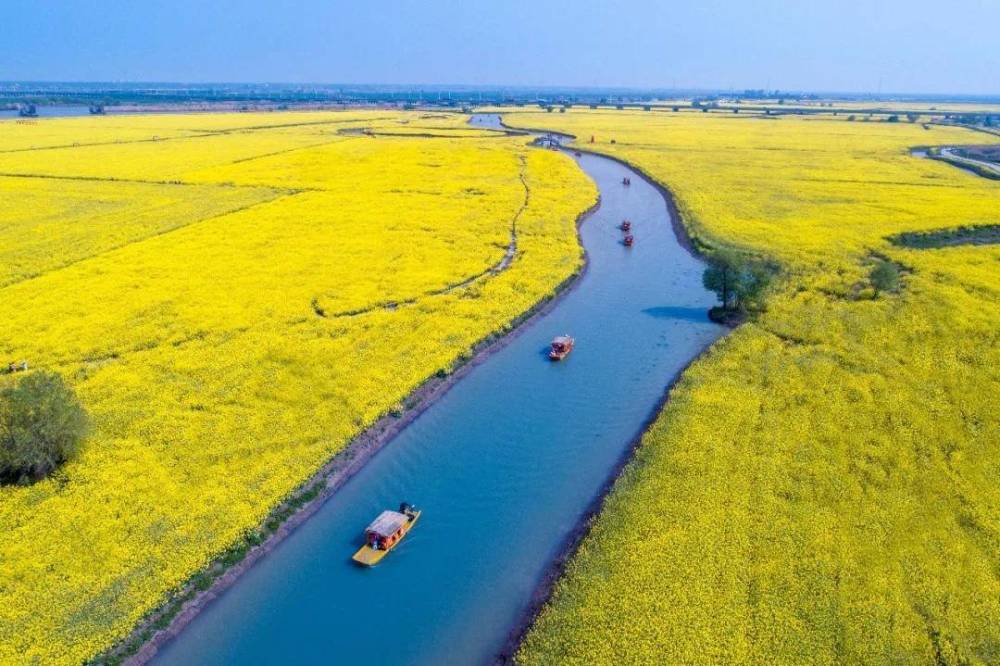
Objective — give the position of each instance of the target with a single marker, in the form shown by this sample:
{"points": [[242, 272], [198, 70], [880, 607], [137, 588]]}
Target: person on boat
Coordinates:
{"points": [[407, 510]]}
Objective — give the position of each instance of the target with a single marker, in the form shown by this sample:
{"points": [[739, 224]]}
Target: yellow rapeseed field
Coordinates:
{"points": [[49, 223], [824, 485], [234, 301]]}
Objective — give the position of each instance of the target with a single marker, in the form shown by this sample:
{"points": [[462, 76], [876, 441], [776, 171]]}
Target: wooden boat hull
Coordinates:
{"points": [[561, 347], [369, 557]]}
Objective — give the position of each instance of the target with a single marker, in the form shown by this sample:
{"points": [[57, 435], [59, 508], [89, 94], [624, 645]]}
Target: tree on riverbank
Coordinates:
{"points": [[739, 283]]}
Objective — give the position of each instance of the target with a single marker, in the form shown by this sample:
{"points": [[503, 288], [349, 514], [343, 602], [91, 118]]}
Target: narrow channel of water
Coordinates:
{"points": [[503, 466], [53, 111]]}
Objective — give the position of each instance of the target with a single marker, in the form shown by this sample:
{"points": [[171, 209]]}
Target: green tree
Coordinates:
{"points": [[723, 275], [884, 277], [739, 282], [751, 285], [41, 427]]}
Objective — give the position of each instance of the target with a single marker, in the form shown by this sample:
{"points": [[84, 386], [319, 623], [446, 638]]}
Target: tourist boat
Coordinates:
{"points": [[578, 154], [625, 226], [629, 240], [561, 347], [385, 533]]}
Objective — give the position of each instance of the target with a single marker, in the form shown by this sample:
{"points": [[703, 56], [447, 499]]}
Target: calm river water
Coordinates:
{"points": [[503, 467], [50, 112]]}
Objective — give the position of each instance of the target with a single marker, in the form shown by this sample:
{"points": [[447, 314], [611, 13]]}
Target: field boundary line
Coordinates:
{"points": [[497, 268], [339, 139], [163, 232], [175, 183], [195, 134]]}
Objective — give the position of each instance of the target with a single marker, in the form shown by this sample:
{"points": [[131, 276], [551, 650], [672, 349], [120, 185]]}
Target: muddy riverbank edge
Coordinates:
{"points": [[180, 608], [692, 243], [568, 549], [571, 544]]}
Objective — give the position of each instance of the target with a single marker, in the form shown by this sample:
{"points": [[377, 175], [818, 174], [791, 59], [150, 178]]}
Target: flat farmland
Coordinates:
{"points": [[233, 302], [822, 485]]}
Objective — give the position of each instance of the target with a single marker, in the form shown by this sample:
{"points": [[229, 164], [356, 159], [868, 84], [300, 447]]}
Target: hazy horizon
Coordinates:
{"points": [[893, 47], [431, 88]]}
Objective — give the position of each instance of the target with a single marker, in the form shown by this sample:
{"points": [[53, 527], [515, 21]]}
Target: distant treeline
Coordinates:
{"points": [[112, 94]]}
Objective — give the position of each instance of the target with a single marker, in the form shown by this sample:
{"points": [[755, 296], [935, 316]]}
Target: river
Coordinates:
{"points": [[54, 111], [504, 465]]}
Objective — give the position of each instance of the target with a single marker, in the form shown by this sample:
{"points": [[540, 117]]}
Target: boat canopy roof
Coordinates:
{"points": [[562, 340], [387, 523]]}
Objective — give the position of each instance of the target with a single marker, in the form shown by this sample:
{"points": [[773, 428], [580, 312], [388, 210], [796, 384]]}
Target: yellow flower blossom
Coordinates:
{"points": [[197, 291], [822, 486]]}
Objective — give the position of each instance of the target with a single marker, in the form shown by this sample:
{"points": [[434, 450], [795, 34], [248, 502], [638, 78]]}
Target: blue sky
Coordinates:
{"points": [[848, 45]]}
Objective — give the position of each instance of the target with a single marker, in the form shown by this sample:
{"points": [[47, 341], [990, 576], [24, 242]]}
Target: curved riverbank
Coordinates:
{"points": [[692, 243], [946, 154], [546, 584], [166, 622], [502, 468], [978, 167], [753, 463]]}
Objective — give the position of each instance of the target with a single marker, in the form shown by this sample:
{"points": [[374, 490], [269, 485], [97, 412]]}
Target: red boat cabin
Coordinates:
{"points": [[386, 530], [561, 347]]}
